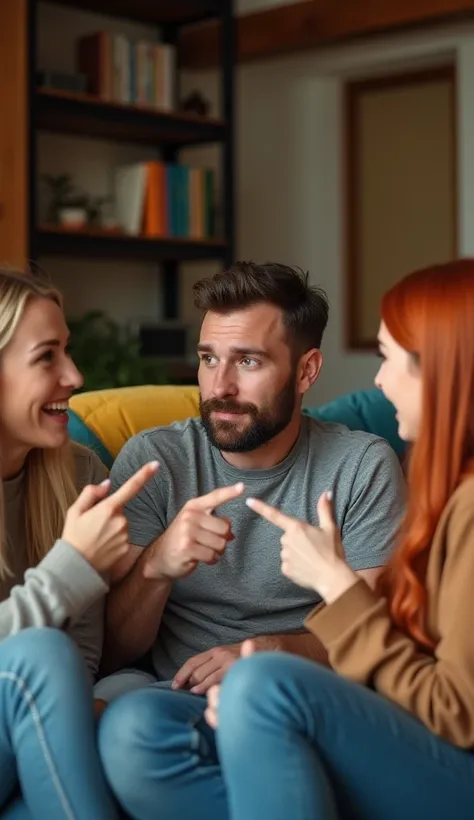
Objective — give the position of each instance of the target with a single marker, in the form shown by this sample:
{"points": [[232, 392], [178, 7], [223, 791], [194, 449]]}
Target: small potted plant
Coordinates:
{"points": [[68, 204]]}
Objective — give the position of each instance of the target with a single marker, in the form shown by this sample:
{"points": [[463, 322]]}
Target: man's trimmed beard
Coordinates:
{"points": [[265, 422]]}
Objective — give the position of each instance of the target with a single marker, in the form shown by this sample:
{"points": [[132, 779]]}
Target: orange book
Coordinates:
{"points": [[155, 221]]}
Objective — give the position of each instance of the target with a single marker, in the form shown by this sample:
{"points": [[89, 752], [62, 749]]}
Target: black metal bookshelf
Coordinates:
{"points": [[92, 118]]}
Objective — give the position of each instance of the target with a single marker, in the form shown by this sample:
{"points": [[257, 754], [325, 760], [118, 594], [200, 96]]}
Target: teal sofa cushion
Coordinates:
{"points": [[80, 432], [366, 410]]}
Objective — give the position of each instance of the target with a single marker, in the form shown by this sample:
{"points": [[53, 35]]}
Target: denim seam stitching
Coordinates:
{"points": [[20, 683]]}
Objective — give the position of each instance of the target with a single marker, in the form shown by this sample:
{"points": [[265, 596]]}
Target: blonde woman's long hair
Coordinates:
{"points": [[50, 487]]}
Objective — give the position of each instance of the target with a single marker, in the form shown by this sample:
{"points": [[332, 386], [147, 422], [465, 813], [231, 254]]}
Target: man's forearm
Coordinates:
{"points": [[133, 616], [303, 644]]}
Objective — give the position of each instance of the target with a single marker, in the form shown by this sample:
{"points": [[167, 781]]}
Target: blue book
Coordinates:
{"points": [[183, 199]]}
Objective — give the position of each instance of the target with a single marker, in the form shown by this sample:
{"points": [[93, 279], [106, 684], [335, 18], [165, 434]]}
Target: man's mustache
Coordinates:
{"points": [[227, 406]]}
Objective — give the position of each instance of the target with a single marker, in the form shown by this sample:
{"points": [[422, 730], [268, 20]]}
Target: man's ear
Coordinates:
{"points": [[309, 367]]}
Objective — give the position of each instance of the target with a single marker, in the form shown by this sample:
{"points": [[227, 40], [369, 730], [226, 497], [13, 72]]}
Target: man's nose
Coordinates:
{"points": [[224, 382]]}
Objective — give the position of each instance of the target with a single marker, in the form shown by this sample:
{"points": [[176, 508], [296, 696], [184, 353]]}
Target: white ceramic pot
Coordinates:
{"points": [[72, 217]]}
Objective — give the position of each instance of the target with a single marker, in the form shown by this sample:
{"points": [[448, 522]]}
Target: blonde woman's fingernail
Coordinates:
{"points": [[329, 495]]}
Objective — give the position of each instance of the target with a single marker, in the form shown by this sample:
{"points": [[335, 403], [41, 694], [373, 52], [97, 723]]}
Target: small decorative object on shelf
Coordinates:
{"points": [[68, 204], [62, 81], [195, 103], [95, 211], [73, 208]]}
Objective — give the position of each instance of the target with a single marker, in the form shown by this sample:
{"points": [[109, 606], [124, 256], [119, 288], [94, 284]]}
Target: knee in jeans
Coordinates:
{"points": [[247, 684], [129, 733], [46, 645], [120, 729], [264, 684]]}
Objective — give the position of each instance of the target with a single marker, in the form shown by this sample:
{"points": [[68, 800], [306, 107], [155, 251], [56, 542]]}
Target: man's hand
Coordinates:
{"points": [[195, 535], [207, 669], [211, 714], [198, 674]]}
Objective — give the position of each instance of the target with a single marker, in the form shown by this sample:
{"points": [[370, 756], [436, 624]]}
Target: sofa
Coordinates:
{"points": [[105, 419]]}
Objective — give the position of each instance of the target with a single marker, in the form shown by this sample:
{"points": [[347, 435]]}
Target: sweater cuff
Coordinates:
{"points": [[79, 580], [328, 622]]}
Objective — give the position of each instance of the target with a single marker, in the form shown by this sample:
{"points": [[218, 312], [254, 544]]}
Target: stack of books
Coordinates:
{"points": [[121, 70], [158, 199]]}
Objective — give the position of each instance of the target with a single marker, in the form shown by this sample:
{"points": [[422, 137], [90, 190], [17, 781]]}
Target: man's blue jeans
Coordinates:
{"points": [[47, 732], [294, 741]]}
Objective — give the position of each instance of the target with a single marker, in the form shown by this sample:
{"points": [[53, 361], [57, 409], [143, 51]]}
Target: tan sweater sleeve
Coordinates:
{"points": [[364, 645]]}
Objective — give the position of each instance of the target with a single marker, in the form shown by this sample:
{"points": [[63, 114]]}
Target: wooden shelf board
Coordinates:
{"points": [[56, 241], [89, 116], [154, 12]]}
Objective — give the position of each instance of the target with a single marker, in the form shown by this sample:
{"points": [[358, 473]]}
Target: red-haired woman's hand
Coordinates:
{"points": [[312, 557]]}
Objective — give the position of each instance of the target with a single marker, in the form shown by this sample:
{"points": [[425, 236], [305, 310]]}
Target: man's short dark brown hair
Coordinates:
{"points": [[305, 308]]}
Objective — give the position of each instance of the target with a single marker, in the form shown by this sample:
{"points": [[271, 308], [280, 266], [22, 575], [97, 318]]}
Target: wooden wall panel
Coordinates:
{"points": [[313, 23], [14, 128]]}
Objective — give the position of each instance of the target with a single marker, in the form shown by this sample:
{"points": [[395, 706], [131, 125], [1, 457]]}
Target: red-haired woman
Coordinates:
{"points": [[390, 736]]}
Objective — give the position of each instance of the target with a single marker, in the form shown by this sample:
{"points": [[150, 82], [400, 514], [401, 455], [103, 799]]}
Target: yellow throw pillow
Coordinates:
{"points": [[117, 414]]}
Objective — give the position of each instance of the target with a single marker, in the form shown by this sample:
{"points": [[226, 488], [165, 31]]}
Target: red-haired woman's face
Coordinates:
{"points": [[400, 381]]}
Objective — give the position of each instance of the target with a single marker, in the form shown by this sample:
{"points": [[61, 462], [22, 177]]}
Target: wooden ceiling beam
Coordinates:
{"points": [[312, 23]]}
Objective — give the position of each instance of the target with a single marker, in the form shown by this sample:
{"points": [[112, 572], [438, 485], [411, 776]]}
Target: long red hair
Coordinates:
{"points": [[430, 313]]}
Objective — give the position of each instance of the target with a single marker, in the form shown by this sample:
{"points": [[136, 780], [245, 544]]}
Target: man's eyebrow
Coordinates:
{"points": [[238, 351]]}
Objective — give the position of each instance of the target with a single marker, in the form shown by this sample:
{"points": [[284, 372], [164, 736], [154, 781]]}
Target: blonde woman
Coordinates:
{"points": [[60, 533]]}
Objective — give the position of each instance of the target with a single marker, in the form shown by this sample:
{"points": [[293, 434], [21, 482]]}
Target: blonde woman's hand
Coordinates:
{"points": [[212, 712], [312, 557], [95, 524]]}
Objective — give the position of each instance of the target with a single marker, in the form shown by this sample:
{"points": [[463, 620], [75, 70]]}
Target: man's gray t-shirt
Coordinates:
{"points": [[245, 594]]}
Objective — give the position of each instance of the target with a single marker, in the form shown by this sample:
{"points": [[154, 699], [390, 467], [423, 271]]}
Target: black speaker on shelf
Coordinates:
{"points": [[168, 339]]}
